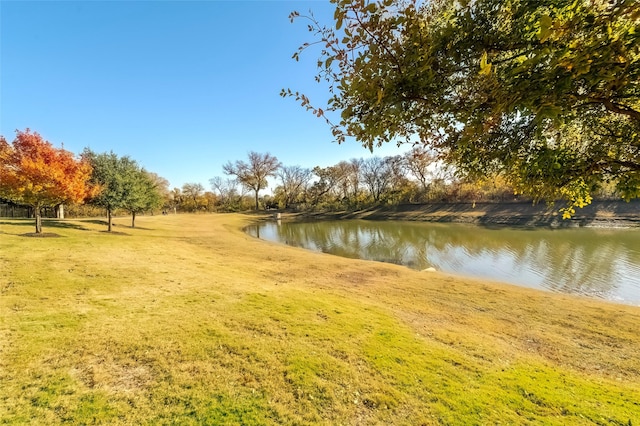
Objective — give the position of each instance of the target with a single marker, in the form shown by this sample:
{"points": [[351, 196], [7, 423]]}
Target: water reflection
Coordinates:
{"points": [[601, 263]]}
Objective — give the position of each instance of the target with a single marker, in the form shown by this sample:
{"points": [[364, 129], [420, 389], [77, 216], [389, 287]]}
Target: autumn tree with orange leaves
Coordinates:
{"points": [[35, 173]]}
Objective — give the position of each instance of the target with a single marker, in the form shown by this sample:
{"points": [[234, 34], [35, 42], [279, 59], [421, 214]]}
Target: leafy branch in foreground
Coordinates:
{"points": [[543, 92]]}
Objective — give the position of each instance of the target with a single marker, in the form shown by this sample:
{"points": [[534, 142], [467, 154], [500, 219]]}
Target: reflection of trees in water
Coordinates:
{"points": [[585, 269], [585, 261]]}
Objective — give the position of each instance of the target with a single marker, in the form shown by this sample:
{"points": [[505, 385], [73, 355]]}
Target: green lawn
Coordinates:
{"points": [[187, 320]]}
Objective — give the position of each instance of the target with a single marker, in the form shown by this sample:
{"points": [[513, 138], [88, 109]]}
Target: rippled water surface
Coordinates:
{"points": [[603, 263]]}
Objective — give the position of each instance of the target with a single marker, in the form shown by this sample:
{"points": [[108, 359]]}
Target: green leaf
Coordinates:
{"points": [[546, 24]]}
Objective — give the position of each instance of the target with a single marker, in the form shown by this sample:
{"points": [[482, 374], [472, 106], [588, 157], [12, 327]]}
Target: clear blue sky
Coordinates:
{"points": [[181, 87]]}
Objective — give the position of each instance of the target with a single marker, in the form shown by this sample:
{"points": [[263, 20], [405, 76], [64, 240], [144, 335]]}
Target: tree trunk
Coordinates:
{"points": [[108, 220], [133, 219], [38, 215], [257, 204]]}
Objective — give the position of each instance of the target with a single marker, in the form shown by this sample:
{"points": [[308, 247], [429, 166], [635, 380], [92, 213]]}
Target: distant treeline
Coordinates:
{"points": [[416, 177]]}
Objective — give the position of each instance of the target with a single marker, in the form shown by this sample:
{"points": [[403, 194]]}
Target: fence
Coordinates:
{"points": [[12, 210]]}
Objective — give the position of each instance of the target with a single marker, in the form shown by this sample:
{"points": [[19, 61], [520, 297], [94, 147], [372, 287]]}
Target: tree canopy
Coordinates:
{"points": [[34, 173], [253, 175], [294, 181], [123, 184], [144, 193], [543, 92]]}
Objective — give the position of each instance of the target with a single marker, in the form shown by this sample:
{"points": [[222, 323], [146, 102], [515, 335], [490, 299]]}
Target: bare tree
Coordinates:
{"points": [[377, 176], [175, 199], [227, 191], [355, 176], [325, 184], [253, 175], [192, 194], [419, 162], [294, 181]]}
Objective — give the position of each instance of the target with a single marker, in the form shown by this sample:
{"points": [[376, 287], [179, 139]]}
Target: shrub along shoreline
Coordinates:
{"points": [[186, 319]]}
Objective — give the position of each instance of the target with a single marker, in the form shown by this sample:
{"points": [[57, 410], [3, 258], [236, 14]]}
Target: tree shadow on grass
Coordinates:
{"points": [[64, 225], [41, 235], [115, 233], [46, 223], [19, 222], [98, 222], [114, 225], [105, 223]]}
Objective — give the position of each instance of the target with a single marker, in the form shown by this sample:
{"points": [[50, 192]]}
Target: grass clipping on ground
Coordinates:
{"points": [[187, 320]]}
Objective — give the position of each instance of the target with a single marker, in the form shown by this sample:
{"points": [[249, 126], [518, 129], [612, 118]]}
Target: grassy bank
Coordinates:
{"points": [[187, 320]]}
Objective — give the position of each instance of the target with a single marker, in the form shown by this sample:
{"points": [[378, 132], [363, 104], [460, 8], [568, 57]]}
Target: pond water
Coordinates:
{"points": [[601, 263]]}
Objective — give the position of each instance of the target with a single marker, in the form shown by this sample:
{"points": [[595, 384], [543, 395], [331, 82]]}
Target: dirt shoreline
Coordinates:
{"points": [[606, 214]]}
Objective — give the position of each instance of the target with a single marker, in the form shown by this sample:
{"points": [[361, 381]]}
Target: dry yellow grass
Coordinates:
{"points": [[187, 320]]}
